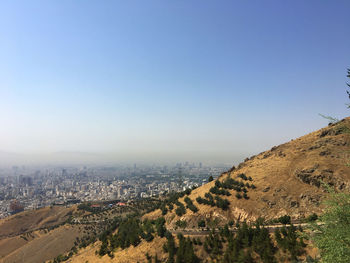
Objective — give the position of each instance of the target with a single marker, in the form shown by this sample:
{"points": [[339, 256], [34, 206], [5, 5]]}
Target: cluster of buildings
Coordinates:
{"points": [[24, 188]]}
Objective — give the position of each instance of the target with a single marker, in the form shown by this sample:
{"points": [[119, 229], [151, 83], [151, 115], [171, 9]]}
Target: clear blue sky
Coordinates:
{"points": [[225, 78]]}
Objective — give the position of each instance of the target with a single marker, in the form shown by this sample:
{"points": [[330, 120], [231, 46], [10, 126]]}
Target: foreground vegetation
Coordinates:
{"points": [[247, 243]]}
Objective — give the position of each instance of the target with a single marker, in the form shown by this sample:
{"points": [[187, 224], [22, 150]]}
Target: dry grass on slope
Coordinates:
{"points": [[33, 220], [131, 254], [41, 247], [287, 179]]}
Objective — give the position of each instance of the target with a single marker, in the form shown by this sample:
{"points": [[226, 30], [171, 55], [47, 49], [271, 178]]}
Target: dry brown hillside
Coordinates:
{"points": [[37, 235], [33, 220], [131, 254], [287, 179], [39, 246]]}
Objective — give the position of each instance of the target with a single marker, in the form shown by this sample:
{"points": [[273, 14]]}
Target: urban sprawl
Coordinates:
{"points": [[26, 188]]}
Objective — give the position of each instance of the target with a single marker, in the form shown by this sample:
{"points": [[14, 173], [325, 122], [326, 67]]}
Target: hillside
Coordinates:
{"points": [[37, 235], [33, 220], [286, 179], [39, 246], [130, 254], [47, 233]]}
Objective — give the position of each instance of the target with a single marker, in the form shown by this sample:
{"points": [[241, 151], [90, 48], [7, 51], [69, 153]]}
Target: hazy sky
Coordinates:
{"points": [[217, 78]]}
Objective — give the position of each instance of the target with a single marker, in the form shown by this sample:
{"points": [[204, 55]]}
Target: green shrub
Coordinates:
{"points": [[181, 223], [284, 219], [201, 223], [311, 218]]}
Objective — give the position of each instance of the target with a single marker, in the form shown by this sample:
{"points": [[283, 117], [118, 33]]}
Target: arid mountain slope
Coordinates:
{"points": [[33, 220], [39, 246], [37, 235], [287, 179], [131, 254]]}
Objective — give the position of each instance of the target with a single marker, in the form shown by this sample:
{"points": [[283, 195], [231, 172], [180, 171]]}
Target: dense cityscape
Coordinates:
{"points": [[23, 188]]}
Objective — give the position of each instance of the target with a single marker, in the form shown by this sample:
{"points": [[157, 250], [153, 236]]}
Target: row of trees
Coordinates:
{"points": [[184, 252], [130, 232], [250, 242], [180, 210], [190, 205], [172, 199], [213, 201], [246, 243]]}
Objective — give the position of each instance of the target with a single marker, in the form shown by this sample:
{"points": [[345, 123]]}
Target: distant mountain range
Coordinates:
{"points": [[86, 158]]}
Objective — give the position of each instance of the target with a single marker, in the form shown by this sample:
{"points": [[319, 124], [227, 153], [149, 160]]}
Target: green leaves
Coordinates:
{"points": [[331, 234]]}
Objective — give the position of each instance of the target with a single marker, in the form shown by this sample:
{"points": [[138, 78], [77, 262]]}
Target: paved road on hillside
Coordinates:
{"points": [[204, 232]]}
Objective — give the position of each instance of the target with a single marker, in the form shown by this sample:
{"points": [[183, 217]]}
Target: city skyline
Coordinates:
{"points": [[165, 81]]}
